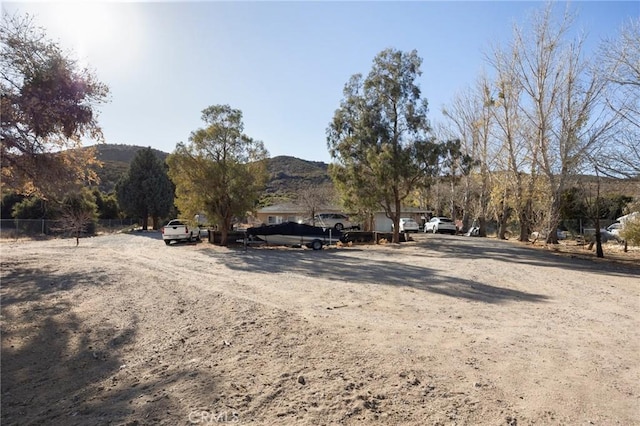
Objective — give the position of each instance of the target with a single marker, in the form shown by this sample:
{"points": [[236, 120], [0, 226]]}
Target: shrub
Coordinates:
{"points": [[631, 231]]}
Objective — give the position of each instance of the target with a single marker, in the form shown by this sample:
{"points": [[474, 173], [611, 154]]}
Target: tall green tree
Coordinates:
{"points": [[221, 171], [146, 190], [48, 107], [107, 204], [34, 207], [454, 164], [9, 200], [379, 137]]}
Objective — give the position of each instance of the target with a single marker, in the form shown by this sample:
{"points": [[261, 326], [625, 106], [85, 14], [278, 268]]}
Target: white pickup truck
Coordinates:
{"points": [[179, 230]]}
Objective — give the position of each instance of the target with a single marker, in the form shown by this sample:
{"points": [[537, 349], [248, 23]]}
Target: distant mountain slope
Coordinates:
{"points": [[289, 174], [286, 174], [123, 153], [116, 159]]}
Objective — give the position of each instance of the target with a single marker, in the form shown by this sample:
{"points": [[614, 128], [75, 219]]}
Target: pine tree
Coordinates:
{"points": [[146, 190]]}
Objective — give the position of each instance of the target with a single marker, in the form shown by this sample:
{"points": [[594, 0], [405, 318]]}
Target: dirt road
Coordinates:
{"points": [[445, 330]]}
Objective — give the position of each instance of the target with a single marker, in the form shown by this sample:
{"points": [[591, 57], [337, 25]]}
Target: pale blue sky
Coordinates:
{"points": [[283, 64]]}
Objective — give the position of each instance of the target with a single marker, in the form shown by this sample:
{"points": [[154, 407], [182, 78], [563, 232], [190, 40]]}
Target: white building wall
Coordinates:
{"points": [[382, 223]]}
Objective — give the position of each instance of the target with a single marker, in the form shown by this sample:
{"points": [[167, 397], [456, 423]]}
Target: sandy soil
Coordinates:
{"points": [[445, 330]]}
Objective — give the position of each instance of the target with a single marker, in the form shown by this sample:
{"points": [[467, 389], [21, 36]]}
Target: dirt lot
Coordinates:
{"points": [[445, 330]]}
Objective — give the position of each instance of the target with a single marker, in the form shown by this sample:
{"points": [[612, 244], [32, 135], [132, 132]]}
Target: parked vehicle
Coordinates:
{"points": [[337, 221], [542, 235], [295, 234], [179, 230], [408, 225], [605, 234], [440, 224], [614, 229]]}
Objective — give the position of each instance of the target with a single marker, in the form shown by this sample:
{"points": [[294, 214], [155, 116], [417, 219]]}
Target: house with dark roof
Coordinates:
{"points": [[289, 212]]}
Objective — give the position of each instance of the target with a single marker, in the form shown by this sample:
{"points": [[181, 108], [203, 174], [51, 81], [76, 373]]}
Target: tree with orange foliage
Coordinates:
{"points": [[48, 107]]}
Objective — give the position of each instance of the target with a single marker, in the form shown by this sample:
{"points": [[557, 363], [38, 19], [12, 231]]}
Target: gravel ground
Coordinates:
{"points": [[444, 330]]}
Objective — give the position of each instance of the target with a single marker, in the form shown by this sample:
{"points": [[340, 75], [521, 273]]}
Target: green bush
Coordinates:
{"points": [[631, 231]]}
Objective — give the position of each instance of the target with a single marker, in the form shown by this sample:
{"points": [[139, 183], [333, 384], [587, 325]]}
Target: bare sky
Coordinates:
{"points": [[283, 64]]}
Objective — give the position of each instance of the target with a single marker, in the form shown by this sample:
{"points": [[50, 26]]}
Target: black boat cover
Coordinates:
{"points": [[293, 228]]}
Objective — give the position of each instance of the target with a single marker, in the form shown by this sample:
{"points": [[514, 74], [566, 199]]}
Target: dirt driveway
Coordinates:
{"points": [[445, 330]]}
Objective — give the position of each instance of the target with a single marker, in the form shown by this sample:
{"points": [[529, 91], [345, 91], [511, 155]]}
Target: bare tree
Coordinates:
{"points": [[460, 114], [78, 213], [620, 66], [515, 153], [563, 103], [312, 198], [470, 113]]}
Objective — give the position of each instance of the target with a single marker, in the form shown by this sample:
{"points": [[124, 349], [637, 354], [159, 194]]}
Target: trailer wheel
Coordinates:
{"points": [[316, 245], [167, 242]]}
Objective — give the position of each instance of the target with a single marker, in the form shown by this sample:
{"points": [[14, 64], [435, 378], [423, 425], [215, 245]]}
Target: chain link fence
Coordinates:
{"points": [[15, 228], [567, 228]]}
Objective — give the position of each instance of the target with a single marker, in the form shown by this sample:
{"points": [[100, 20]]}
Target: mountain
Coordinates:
{"points": [[286, 174], [116, 159], [120, 153]]}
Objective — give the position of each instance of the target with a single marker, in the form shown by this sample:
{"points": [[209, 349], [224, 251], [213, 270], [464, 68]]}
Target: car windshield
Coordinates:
{"points": [[444, 219]]}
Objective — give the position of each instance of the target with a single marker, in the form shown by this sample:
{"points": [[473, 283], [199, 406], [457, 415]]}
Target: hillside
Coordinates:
{"points": [[119, 153], [116, 159], [286, 174], [289, 174]]}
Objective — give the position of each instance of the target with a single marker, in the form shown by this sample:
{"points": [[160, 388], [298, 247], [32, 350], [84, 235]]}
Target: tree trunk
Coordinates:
{"points": [[524, 229], [554, 216], [466, 219], [482, 226], [224, 231], [503, 220], [396, 221], [452, 204], [599, 251]]}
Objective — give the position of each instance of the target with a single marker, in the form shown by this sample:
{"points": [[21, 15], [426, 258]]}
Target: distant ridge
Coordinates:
{"points": [[123, 153], [286, 174], [289, 174]]}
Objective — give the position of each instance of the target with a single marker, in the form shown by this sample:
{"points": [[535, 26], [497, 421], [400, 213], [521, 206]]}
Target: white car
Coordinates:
{"points": [[179, 230], [440, 224], [337, 221], [408, 225], [614, 229]]}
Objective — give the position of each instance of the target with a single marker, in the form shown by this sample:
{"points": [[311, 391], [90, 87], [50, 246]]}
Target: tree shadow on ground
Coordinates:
{"points": [[157, 235], [509, 252], [393, 270], [150, 233], [60, 369]]}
